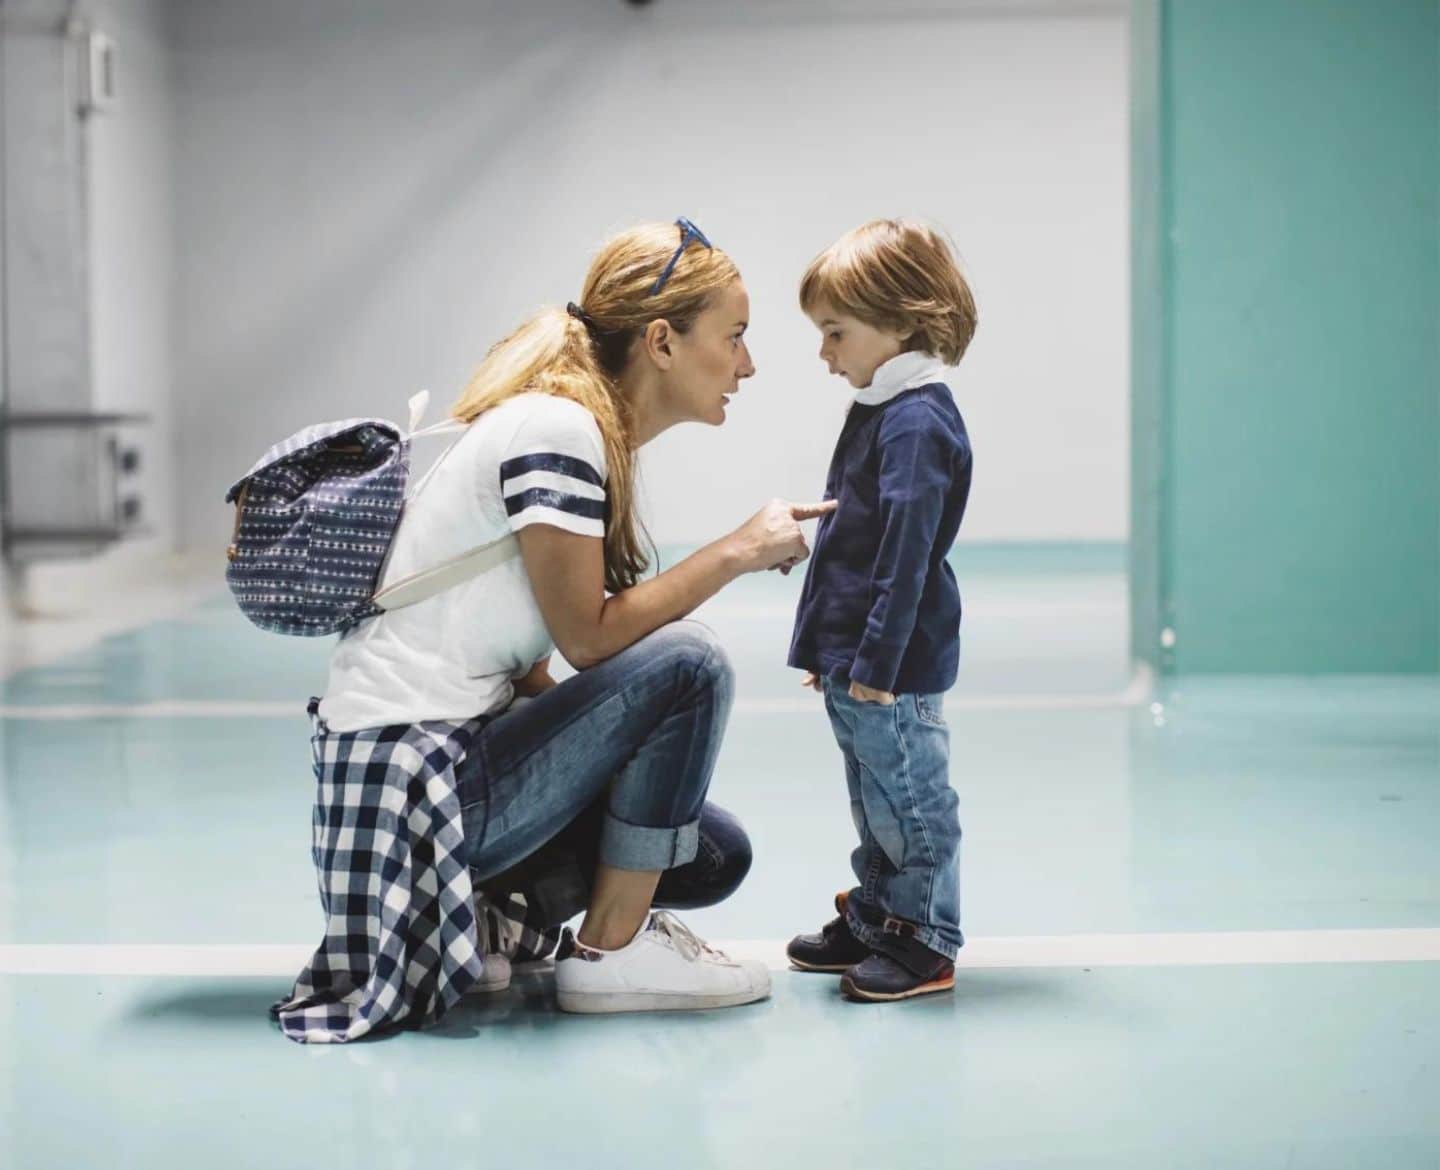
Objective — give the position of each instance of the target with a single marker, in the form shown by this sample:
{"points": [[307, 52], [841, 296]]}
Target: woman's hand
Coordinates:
{"points": [[863, 694], [811, 680], [567, 573], [535, 681], [771, 539]]}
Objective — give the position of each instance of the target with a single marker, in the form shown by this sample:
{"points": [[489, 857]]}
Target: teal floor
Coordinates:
{"points": [[1232, 805]]}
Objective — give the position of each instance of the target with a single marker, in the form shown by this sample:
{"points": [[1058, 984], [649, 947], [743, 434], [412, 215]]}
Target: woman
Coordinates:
{"points": [[622, 752]]}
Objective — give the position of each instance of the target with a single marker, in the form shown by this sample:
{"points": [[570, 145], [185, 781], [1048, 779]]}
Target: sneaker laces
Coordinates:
{"points": [[685, 940]]}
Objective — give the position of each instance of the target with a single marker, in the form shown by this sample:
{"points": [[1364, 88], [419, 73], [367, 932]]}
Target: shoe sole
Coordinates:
{"points": [[820, 968], [614, 1002], [856, 993]]}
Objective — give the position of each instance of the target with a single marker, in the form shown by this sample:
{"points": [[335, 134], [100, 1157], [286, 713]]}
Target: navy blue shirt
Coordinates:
{"points": [[880, 605]]}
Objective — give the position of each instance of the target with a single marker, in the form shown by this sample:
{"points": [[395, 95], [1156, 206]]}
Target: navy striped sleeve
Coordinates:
{"points": [[548, 487], [550, 461]]}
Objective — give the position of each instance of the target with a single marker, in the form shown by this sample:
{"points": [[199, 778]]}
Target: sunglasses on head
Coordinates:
{"points": [[688, 232]]}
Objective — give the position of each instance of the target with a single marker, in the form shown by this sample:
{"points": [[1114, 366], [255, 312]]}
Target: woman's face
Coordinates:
{"points": [[709, 361]]}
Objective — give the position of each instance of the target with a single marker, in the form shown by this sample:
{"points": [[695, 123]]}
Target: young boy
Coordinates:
{"points": [[878, 623]]}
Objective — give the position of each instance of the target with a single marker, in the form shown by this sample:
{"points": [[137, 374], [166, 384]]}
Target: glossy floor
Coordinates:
{"points": [[1132, 863]]}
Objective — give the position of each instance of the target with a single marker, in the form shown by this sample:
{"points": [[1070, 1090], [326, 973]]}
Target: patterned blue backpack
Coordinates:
{"points": [[314, 518]]}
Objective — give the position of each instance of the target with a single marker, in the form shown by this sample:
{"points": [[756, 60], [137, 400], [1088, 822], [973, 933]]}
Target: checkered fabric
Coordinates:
{"points": [[400, 945]]}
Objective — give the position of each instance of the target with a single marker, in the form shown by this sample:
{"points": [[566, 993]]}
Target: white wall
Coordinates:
{"points": [[370, 194]]}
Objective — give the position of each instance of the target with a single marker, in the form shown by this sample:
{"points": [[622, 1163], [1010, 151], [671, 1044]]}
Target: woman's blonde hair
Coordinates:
{"points": [[899, 275], [581, 358]]}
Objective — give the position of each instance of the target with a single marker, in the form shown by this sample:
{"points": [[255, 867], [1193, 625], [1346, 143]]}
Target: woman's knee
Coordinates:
{"points": [[730, 845], [698, 651], [718, 870]]}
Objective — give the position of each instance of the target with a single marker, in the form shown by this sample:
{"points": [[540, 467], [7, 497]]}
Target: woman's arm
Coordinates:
{"points": [[535, 681], [567, 575]]}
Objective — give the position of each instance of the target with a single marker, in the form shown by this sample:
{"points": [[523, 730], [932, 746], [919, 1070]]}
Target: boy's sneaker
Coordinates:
{"points": [[882, 978], [665, 967], [834, 949]]}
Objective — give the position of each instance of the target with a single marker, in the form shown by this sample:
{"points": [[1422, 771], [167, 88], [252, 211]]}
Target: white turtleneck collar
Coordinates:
{"points": [[903, 372]]}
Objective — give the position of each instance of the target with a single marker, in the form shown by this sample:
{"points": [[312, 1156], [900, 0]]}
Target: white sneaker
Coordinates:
{"points": [[494, 975], [664, 968], [498, 939]]}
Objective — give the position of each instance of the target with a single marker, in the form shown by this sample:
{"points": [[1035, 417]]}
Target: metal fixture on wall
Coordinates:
{"points": [[104, 503], [69, 484]]}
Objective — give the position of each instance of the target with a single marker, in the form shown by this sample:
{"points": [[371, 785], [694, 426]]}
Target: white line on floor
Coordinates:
{"points": [[168, 709], [1045, 608], [1202, 949], [1137, 692]]}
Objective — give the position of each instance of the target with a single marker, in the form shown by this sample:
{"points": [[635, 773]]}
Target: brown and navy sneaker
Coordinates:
{"points": [[835, 949], [905, 970]]}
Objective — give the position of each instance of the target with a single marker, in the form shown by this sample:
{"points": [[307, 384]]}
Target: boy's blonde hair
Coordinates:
{"points": [[555, 352], [899, 275]]}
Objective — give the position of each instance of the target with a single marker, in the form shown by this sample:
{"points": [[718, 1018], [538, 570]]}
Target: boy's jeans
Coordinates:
{"points": [[897, 766]]}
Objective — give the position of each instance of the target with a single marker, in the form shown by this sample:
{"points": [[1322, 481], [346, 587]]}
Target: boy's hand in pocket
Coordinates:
{"points": [[866, 694]]}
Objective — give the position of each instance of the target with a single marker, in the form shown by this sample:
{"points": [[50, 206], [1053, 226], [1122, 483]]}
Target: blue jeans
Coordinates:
{"points": [[630, 743], [556, 879], [897, 768]]}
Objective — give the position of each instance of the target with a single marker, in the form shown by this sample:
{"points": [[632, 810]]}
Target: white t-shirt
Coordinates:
{"points": [[534, 459]]}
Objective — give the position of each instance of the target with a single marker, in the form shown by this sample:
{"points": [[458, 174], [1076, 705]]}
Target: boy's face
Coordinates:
{"points": [[851, 348]]}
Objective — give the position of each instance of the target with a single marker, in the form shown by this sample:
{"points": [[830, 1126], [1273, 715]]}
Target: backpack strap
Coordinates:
{"points": [[418, 405], [427, 583]]}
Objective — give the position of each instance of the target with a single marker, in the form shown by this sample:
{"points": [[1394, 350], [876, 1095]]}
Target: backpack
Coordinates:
{"points": [[314, 521]]}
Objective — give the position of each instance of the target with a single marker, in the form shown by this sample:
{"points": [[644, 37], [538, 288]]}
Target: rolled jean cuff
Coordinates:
{"points": [[627, 846], [927, 936]]}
